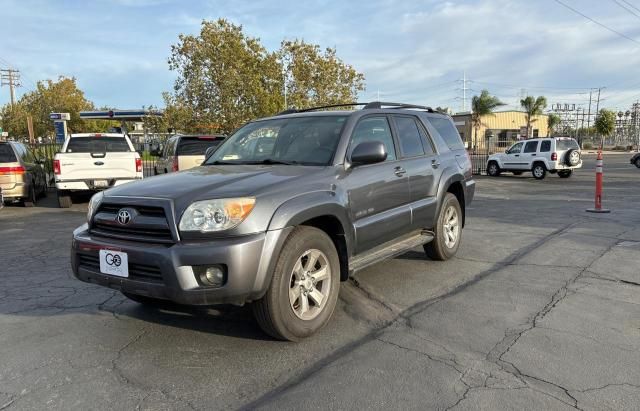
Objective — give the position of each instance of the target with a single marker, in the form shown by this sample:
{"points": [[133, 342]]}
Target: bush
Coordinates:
{"points": [[587, 146]]}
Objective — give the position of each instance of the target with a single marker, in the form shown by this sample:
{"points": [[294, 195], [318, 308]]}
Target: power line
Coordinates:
{"points": [[597, 22], [631, 5], [514, 86], [627, 9]]}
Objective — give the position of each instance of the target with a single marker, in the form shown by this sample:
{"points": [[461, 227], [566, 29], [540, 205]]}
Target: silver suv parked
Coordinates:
{"points": [[282, 212], [539, 155]]}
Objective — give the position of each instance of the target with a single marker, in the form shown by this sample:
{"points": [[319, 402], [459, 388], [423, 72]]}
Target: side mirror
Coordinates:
{"points": [[368, 152], [209, 151], [506, 151]]}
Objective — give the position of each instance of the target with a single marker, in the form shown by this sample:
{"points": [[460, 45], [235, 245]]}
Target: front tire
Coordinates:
{"points": [[304, 288], [493, 169], [565, 173], [448, 231], [638, 162], [539, 171]]}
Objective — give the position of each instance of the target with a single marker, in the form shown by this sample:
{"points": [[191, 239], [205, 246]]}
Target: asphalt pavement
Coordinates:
{"points": [[539, 310]]}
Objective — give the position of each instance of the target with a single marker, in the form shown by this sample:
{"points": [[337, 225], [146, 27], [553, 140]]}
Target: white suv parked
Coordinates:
{"points": [[556, 155]]}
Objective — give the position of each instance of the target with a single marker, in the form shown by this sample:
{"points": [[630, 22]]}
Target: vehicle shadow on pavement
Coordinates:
{"points": [[226, 320]]}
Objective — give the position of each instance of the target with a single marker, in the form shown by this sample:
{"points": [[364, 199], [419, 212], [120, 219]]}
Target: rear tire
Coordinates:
{"points": [[31, 200], [565, 173], [304, 288], [64, 199], [493, 169], [539, 171], [448, 230]]}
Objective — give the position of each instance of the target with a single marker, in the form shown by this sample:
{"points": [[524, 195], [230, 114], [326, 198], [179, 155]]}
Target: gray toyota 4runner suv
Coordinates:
{"points": [[282, 212]]}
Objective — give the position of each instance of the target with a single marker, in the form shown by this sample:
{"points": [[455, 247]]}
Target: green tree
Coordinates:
{"points": [[552, 122], [226, 78], [49, 96], [482, 105], [316, 78], [605, 124], [532, 107]]}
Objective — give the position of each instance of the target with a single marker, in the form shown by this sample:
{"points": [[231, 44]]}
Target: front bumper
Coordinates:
{"points": [[249, 261]]}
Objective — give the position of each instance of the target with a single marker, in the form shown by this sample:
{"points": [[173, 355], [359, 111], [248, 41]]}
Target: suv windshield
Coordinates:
{"points": [[197, 146], [308, 140], [6, 154], [97, 145], [566, 144]]}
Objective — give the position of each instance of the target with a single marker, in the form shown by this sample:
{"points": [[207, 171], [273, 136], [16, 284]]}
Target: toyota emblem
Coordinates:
{"points": [[124, 217]]}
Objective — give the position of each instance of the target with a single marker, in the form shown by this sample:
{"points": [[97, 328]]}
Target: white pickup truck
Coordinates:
{"points": [[93, 162]]}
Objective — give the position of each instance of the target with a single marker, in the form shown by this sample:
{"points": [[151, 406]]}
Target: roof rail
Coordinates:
{"points": [[372, 105], [382, 104]]}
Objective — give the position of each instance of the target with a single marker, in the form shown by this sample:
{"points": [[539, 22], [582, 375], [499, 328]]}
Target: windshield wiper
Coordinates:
{"points": [[218, 162], [271, 161]]}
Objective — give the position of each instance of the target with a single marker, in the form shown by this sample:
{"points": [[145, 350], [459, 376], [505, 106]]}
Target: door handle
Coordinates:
{"points": [[517, 155], [533, 154], [435, 163], [399, 171]]}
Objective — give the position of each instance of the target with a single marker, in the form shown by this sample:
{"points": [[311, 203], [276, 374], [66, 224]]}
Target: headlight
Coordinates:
{"points": [[93, 204], [216, 215]]}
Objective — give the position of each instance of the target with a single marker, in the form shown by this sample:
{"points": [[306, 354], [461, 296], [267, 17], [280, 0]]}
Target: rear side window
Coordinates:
{"points": [[531, 147], [97, 145], [409, 136], [566, 144], [6, 154], [545, 146], [447, 130], [196, 146]]}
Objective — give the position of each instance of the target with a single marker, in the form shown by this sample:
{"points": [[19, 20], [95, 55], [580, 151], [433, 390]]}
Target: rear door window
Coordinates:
{"points": [[531, 147], [409, 136], [448, 132], [6, 154], [196, 146], [545, 146], [97, 145]]}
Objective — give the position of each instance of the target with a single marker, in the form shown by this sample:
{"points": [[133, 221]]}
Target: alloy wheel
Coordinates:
{"points": [[451, 227], [310, 284]]}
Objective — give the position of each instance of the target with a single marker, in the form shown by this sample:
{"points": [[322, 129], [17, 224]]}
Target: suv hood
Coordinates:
{"points": [[209, 182]]}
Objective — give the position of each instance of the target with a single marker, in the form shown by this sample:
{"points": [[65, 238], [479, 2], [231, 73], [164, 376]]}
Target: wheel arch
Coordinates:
{"points": [[320, 210]]}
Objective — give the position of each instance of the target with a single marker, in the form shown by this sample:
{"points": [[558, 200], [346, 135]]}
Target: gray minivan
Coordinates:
{"points": [[22, 174]]}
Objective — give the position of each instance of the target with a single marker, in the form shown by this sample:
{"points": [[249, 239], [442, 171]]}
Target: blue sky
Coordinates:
{"points": [[409, 51]]}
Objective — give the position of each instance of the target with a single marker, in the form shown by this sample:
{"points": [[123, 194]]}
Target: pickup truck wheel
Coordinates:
{"points": [[304, 288], [31, 200], [64, 199], [565, 173], [539, 171], [493, 169], [448, 230]]}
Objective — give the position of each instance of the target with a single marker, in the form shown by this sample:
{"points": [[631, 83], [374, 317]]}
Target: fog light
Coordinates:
{"points": [[213, 276]]}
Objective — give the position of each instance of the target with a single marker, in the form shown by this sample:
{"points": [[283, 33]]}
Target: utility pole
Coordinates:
{"points": [[464, 91], [11, 78]]}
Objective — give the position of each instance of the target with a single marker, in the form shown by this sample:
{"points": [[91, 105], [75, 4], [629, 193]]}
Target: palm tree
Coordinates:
{"points": [[552, 122], [532, 107], [482, 105], [605, 124]]}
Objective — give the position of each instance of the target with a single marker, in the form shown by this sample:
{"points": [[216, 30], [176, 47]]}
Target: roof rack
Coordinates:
{"points": [[382, 104], [366, 106]]}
